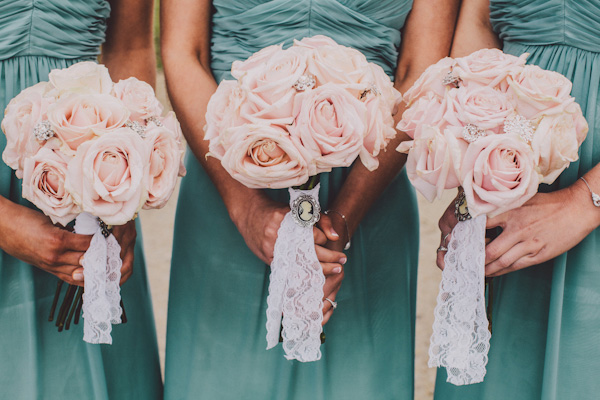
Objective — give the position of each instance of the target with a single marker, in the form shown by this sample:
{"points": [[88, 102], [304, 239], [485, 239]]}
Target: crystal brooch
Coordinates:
{"points": [[306, 81], [137, 128], [450, 79], [472, 132], [43, 131], [521, 126]]}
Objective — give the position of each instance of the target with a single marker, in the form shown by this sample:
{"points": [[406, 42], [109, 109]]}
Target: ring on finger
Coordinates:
{"points": [[442, 248], [333, 303], [444, 240]]}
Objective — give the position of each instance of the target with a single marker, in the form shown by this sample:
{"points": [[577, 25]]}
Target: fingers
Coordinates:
{"points": [[319, 236], [331, 268], [327, 316], [327, 227], [326, 255], [500, 246], [74, 241], [67, 276], [127, 268], [440, 259], [507, 259]]}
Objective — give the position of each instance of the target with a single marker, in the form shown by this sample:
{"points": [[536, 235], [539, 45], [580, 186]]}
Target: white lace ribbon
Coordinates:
{"points": [[461, 339], [102, 273], [296, 289]]}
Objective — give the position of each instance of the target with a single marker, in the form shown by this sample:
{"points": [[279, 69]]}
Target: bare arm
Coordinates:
{"points": [[474, 29]]}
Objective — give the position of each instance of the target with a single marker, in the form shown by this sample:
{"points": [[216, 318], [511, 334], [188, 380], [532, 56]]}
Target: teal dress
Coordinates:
{"points": [[216, 346], [546, 339], [36, 361]]}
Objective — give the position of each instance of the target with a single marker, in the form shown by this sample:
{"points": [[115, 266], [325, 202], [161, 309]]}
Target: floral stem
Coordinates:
{"points": [[489, 282], [123, 315], [64, 309], [73, 307], [55, 301], [78, 311]]}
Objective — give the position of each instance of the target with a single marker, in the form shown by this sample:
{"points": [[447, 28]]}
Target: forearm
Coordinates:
{"points": [[474, 29], [582, 199], [421, 47]]}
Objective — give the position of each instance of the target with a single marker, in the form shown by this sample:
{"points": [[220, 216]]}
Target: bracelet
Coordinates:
{"points": [[595, 197], [326, 212]]}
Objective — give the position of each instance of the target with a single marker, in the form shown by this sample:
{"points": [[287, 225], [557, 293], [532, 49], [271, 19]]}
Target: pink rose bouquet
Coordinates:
{"points": [[96, 152], [289, 115], [496, 129]]}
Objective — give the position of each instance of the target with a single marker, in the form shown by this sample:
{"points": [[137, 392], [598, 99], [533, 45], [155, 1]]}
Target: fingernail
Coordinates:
{"points": [[78, 276], [337, 270], [81, 261], [334, 233], [343, 260]]}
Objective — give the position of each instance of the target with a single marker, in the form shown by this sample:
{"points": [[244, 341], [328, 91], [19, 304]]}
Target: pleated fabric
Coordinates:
{"points": [[36, 361], [546, 339], [217, 301]]}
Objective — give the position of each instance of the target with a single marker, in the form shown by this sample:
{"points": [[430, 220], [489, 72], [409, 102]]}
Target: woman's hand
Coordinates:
{"points": [[125, 235], [31, 237], [546, 226], [446, 223]]}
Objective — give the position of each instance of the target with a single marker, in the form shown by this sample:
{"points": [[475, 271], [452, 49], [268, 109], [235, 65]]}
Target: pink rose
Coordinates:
{"points": [[79, 118], [315, 41], [426, 110], [380, 128], [85, 77], [139, 98], [555, 145], [255, 61], [223, 111], [165, 160], [339, 64], [488, 67], [429, 165], [44, 185], [331, 125], [21, 116], [498, 174], [270, 90], [539, 92], [483, 106], [171, 123], [430, 81], [263, 156], [108, 176]]}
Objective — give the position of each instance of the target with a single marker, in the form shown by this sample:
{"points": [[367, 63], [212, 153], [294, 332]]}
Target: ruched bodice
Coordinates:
{"points": [[573, 23], [62, 29], [241, 28]]}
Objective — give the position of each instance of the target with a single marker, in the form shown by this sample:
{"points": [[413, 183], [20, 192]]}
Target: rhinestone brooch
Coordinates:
{"points": [[306, 81], [472, 132], [450, 79], [43, 131], [154, 120], [306, 210], [137, 128], [371, 89], [521, 126]]}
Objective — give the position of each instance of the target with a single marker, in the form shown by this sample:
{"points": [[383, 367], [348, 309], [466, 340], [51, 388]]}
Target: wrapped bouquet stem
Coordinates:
{"points": [[496, 128], [290, 115]]}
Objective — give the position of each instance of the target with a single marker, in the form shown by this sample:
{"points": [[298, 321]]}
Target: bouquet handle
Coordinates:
{"points": [[461, 340]]}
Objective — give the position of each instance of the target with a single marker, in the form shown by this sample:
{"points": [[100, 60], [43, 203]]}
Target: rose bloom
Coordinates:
{"points": [[488, 67], [223, 111], [108, 176], [269, 90], [555, 145], [255, 61], [426, 110], [380, 129], [315, 41], [264, 156], [430, 81], [85, 77], [539, 92], [79, 118], [44, 185], [331, 125], [498, 174], [339, 64], [171, 123], [483, 106], [429, 165], [165, 160], [22, 114], [139, 98]]}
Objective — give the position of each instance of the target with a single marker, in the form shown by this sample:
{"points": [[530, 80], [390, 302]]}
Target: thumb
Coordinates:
{"points": [[327, 227]]}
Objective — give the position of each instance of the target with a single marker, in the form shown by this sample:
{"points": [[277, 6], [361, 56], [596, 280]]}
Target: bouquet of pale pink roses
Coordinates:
{"points": [[290, 115], [95, 151], [496, 128]]}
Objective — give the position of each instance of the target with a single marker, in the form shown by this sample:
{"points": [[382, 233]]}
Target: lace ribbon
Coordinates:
{"points": [[102, 273], [296, 289], [461, 339]]}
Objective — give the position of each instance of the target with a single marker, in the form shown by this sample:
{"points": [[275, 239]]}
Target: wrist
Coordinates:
{"points": [[580, 197]]}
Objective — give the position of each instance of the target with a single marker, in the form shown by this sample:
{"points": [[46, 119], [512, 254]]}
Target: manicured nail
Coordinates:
{"points": [[81, 261], [337, 270], [343, 260], [334, 233], [78, 276]]}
